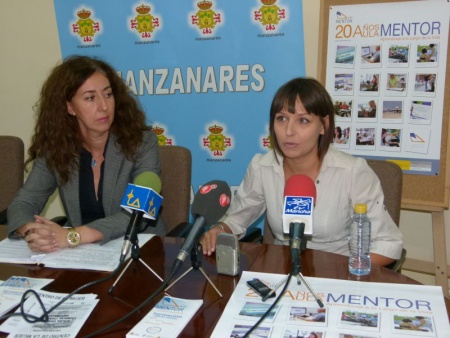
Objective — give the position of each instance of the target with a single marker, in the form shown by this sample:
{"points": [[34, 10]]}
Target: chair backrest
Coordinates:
{"points": [[391, 179], [11, 168], [176, 166]]}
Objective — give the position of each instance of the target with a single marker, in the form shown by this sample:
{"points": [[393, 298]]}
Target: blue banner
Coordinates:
{"points": [[205, 71]]}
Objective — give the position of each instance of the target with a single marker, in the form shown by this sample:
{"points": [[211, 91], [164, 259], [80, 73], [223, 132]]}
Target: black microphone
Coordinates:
{"points": [[210, 203], [296, 233], [142, 199], [299, 197]]}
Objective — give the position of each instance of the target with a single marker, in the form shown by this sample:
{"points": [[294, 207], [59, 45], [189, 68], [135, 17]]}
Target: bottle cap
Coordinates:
{"points": [[360, 208]]}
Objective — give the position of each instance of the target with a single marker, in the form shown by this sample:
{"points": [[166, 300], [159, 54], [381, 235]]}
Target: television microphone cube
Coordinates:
{"points": [[298, 209], [142, 199]]}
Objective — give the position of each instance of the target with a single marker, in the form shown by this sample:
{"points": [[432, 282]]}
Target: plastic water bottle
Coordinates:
{"points": [[359, 242]]}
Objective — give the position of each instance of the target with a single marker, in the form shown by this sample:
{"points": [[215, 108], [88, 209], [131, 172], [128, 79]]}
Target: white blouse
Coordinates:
{"points": [[343, 181]]}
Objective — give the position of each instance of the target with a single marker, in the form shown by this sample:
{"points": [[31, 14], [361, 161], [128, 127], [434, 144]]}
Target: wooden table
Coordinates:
{"points": [[138, 283]]}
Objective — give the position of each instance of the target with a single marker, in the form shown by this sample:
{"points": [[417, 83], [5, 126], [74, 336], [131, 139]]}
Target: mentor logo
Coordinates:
{"points": [[168, 304], [85, 27], [269, 15], [144, 23], [167, 301], [343, 18], [216, 141], [206, 19]]}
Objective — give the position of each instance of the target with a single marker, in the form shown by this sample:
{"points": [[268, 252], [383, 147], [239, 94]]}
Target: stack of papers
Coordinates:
{"points": [[11, 291], [87, 256], [65, 321], [167, 318]]}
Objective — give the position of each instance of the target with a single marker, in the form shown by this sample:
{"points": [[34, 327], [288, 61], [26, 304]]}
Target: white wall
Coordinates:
{"points": [[30, 48]]}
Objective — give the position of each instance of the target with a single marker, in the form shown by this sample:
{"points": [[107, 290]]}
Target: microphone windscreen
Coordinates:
{"points": [[300, 185], [148, 179], [212, 201]]}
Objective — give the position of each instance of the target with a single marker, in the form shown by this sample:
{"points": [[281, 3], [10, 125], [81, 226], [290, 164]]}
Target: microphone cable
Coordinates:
{"points": [[45, 316], [288, 280], [166, 281], [210, 203]]}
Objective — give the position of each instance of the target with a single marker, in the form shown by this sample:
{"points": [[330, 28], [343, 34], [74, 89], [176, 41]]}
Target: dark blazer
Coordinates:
{"points": [[118, 172]]}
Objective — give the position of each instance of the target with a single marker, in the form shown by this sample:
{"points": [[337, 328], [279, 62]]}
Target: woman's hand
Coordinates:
{"points": [[209, 239], [43, 235]]}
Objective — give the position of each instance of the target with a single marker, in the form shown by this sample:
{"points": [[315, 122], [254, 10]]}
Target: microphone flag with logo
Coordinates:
{"points": [[299, 199], [141, 200], [143, 195]]}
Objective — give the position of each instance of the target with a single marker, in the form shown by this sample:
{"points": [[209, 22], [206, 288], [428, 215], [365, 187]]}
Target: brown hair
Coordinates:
{"points": [[56, 135], [315, 100]]}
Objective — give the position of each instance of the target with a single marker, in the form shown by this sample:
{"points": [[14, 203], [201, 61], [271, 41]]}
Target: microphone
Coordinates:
{"points": [[299, 196], [299, 199], [210, 203], [142, 199]]}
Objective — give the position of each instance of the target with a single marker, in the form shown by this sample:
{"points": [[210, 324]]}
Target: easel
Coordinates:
{"points": [[440, 269], [423, 193]]}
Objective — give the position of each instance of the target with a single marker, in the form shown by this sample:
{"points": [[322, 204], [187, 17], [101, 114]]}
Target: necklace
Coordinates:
{"points": [[95, 159]]}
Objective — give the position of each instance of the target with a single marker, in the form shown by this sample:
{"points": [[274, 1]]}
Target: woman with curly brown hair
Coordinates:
{"points": [[90, 141]]}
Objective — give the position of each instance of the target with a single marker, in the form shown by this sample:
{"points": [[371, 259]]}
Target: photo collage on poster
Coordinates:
{"points": [[314, 322], [383, 96]]}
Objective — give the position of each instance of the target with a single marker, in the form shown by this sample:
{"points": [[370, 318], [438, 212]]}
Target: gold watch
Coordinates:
{"points": [[73, 238]]}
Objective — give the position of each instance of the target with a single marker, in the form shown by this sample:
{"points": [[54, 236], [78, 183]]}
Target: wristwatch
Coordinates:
{"points": [[73, 238]]}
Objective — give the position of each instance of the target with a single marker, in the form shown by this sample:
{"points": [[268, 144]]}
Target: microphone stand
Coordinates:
{"points": [[135, 256], [296, 232], [196, 260]]}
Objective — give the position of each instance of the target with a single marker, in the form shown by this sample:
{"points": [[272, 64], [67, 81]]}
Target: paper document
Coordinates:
{"points": [[65, 321], [87, 256], [167, 318], [11, 290]]}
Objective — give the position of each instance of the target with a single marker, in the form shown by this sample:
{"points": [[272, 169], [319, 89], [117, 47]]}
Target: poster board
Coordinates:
{"points": [[351, 309], [428, 193]]}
